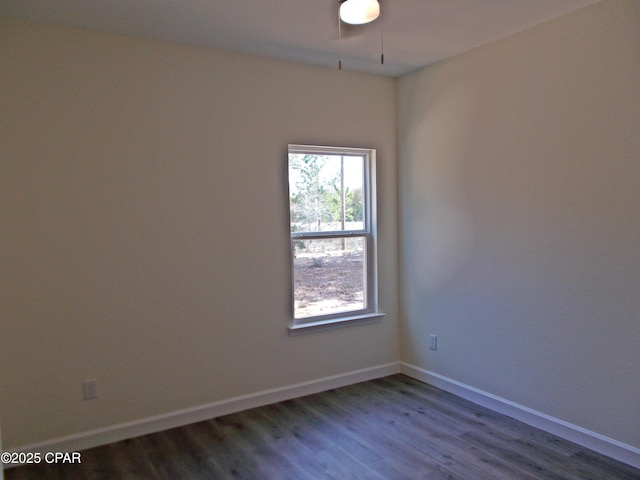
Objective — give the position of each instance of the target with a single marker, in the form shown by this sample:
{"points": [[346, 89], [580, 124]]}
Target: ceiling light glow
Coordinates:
{"points": [[358, 12]]}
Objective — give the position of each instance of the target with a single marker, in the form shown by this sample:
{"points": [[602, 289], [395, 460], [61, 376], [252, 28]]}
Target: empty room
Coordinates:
{"points": [[280, 240]]}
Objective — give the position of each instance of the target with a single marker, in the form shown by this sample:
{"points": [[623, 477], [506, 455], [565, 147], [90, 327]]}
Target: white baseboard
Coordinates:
{"points": [[123, 431], [586, 438]]}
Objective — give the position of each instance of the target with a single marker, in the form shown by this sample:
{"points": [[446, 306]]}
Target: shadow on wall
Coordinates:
{"points": [[438, 226]]}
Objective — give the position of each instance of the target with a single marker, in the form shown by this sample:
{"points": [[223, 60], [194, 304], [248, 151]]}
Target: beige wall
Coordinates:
{"points": [[1, 450], [519, 181], [144, 234]]}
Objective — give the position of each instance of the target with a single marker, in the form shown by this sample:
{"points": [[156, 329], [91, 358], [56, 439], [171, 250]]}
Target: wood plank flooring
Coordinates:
{"points": [[386, 429]]}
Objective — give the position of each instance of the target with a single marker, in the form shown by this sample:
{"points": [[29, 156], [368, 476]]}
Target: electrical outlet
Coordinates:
{"points": [[90, 389], [433, 342]]}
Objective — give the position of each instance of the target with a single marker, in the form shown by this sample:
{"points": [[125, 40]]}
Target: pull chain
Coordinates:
{"points": [[381, 34], [339, 41]]}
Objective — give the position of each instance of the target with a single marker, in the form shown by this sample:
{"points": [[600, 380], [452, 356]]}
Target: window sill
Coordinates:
{"points": [[322, 325]]}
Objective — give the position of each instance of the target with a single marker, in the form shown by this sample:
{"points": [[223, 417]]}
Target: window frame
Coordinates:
{"points": [[370, 312]]}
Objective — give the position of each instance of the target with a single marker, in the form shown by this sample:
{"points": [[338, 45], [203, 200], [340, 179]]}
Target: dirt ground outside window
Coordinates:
{"points": [[329, 282]]}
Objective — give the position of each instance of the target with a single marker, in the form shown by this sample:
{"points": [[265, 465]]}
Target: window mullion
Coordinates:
{"points": [[332, 234]]}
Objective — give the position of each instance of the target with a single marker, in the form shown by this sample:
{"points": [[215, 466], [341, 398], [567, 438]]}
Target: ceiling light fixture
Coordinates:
{"points": [[359, 12]]}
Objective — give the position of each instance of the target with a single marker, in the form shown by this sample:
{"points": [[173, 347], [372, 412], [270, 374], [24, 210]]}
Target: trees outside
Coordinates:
{"points": [[320, 199], [326, 195], [309, 193]]}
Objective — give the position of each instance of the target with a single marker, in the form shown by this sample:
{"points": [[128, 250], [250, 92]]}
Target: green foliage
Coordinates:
{"points": [[352, 205], [308, 203], [317, 199]]}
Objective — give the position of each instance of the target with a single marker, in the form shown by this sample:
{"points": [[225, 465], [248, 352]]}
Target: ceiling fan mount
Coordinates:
{"points": [[360, 12]]}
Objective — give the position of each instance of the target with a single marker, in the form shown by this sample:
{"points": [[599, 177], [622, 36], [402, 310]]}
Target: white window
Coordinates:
{"points": [[333, 236]]}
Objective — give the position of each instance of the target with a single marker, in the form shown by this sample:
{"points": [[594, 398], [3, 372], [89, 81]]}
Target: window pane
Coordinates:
{"points": [[328, 275], [326, 192]]}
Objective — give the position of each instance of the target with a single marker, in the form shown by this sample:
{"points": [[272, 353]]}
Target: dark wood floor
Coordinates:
{"points": [[391, 428]]}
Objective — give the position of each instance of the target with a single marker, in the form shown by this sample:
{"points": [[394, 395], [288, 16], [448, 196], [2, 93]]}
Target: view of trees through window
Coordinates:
{"points": [[327, 230]]}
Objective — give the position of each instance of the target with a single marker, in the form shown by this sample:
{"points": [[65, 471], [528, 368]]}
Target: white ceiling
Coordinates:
{"points": [[416, 32]]}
